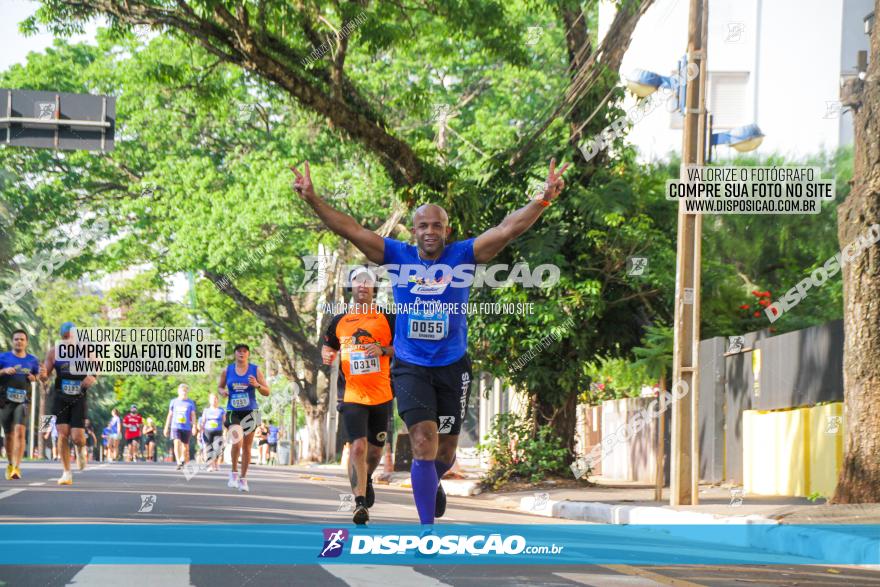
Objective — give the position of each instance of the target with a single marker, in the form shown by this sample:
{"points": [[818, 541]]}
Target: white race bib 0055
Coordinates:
{"points": [[428, 327]]}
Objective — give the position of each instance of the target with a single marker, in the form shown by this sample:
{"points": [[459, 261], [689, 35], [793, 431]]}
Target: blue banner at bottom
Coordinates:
{"points": [[564, 544]]}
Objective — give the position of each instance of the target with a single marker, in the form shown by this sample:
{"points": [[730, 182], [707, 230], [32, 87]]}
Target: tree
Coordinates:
{"points": [[859, 480]]}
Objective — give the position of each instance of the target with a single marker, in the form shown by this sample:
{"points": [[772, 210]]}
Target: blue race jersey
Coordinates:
{"points": [[423, 336], [272, 438], [17, 388], [212, 419], [242, 395], [181, 413]]}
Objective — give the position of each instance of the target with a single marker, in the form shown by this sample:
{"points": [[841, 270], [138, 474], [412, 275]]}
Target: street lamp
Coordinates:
{"points": [[743, 139], [643, 83]]}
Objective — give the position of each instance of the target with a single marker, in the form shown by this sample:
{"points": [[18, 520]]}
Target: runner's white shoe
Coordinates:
{"points": [[66, 478], [243, 486], [233, 481]]}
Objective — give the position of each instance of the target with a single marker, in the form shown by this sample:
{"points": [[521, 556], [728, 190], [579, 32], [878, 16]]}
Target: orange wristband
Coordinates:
{"points": [[543, 202]]}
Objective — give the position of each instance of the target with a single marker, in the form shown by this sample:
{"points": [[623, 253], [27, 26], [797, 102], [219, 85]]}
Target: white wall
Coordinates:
{"points": [[791, 51]]}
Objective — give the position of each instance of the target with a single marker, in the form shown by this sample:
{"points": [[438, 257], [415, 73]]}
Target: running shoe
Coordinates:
{"points": [[66, 478], [9, 470], [80, 457], [361, 515], [370, 496], [428, 531], [233, 481], [16, 473], [179, 466], [440, 502], [243, 486]]}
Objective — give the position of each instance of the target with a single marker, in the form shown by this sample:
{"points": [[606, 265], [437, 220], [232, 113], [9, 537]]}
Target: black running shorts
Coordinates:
{"points": [[433, 393], [367, 421]]}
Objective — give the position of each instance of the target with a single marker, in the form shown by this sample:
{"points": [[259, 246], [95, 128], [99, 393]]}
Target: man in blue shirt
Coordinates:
{"points": [[18, 369], [181, 421], [431, 373]]}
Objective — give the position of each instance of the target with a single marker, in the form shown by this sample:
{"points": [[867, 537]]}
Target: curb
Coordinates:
{"points": [[604, 513], [461, 487], [452, 487], [810, 543]]}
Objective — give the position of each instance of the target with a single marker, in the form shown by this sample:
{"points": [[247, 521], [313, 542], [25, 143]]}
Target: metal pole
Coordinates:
{"points": [[685, 440], [659, 477], [30, 448]]}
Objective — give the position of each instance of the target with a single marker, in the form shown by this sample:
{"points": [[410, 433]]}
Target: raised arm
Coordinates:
{"points": [[490, 243], [370, 244]]}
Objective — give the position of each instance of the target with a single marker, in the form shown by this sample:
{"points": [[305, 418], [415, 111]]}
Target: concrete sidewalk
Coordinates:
{"points": [[615, 502], [630, 503]]}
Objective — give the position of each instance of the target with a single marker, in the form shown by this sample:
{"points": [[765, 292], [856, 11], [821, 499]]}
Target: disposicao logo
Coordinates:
{"points": [[430, 544], [334, 541]]}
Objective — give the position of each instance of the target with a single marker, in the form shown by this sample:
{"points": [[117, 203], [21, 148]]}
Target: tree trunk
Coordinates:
{"points": [[562, 419], [315, 416], [859, 480]]}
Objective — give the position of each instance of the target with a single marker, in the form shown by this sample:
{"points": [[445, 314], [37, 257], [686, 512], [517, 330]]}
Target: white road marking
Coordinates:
{"points": [[606, 580], [100, 574], [37, 484], [381, 576], [10, 492]]}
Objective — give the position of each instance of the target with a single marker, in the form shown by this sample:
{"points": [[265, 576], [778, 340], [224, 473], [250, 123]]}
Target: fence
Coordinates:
{"points": [[767, 401]]}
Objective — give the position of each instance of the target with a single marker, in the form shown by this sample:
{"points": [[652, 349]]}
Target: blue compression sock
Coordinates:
{"points": [[423, 476], [442, 468]]}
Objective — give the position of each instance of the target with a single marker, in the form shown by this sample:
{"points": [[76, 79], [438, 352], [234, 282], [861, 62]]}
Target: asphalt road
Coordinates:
{"points": [[113, 493]]}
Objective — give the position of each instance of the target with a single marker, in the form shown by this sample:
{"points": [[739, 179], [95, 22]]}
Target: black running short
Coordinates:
{"points": [[181, 435], [69, 411], [13, 414], [209, 436], [136, 440], [367, 421], [235, 419], [433, 393]]}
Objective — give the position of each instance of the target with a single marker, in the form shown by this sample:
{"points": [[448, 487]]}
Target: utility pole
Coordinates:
{"points": [[685, 450]]}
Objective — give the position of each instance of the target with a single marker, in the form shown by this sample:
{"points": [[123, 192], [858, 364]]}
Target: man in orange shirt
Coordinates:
{"points": [[364, 335]]}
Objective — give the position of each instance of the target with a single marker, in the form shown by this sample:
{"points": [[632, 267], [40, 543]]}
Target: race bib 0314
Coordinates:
{"points": [[361, 364]]}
